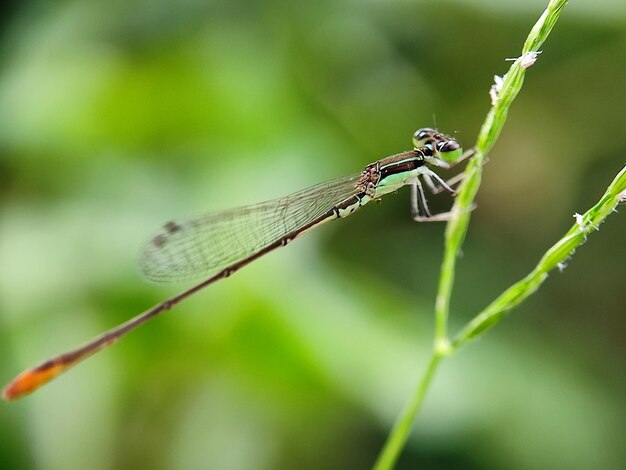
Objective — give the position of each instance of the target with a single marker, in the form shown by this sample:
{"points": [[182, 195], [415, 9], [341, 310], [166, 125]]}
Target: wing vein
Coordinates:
{"points": [[205, 245]]}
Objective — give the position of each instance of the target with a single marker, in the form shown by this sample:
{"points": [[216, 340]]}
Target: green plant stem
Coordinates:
{"points": [[457, 226], [555, 257], [402, 426], [489, 132]]}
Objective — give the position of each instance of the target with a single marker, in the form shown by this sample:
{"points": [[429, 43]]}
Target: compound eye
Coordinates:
{"points": [[423, 136], [424, 133], [449, 150], [448, 146]]}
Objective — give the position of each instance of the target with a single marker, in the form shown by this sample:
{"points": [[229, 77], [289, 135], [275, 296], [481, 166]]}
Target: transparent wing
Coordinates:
{"points": [[205, 245]]}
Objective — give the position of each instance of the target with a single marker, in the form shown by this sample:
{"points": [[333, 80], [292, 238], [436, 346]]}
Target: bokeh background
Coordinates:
{"points": [[117, 116]]}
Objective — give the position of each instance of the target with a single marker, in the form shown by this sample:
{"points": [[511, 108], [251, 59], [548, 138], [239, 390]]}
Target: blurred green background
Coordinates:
{"points": [[117, 116]]}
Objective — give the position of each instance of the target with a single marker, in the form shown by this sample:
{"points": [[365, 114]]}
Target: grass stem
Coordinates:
{"points": [[502, 94]]}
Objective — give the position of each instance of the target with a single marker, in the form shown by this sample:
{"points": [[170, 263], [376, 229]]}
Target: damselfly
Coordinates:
{"points": [[218, 244]]}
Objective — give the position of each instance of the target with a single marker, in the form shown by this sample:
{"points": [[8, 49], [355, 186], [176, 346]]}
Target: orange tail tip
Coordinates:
{"points": [[30, 380]]}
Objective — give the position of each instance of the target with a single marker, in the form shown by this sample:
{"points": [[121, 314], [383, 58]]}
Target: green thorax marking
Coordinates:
{"points": [[397, 170]]}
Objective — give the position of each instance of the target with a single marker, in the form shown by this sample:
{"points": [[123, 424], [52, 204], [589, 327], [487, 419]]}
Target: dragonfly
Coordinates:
{"points": [[218, 244]]}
